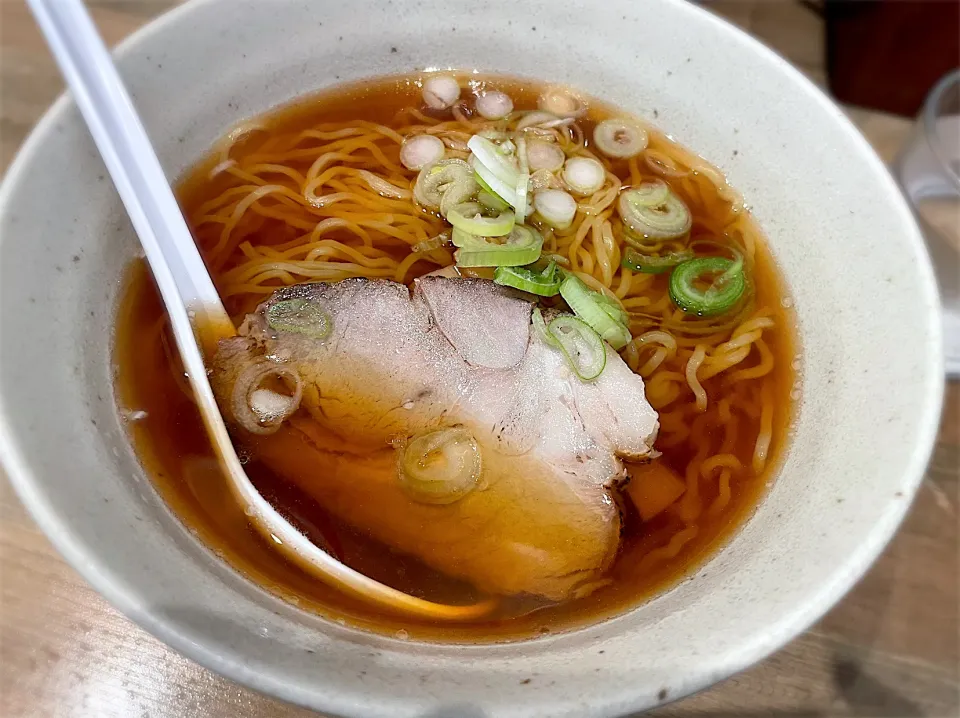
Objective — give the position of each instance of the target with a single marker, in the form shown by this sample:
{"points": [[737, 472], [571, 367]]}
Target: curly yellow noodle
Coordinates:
{"points": [[723, 495], [766, 430], [693, 364], [676, 544], [303, 205]]}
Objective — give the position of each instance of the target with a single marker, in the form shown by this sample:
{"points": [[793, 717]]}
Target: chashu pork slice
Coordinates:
{"points": [[385, 366]]}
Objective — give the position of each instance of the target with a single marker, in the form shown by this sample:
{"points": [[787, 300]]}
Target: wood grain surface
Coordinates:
{"points": [[890, 648]]}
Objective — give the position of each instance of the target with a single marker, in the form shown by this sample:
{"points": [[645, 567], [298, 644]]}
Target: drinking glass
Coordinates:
{"points": [[928, 169]]}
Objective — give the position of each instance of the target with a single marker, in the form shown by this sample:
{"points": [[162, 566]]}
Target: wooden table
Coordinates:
{"points": [[890, 648]]}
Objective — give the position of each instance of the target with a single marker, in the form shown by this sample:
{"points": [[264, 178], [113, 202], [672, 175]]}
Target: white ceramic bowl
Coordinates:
{"points": [[863, 288]]}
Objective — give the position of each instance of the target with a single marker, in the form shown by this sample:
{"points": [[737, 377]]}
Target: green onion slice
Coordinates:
{"points": [[460, 238], [723, 293], [447, 182], [490, 200], [493, 158], [523, 190], [522, 246], [613, 309], [467, 217], [647, 211], [651, 194], [540, 327], [490, 182], [544, 283], [639, 262], [581, 346], [299, 316], [440, 467], [601, 313]]}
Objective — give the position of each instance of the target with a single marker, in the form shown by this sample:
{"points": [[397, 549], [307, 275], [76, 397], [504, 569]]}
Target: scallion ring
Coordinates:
{"points": [[543, 155], [440, 467], [664, 220], [491, 201], [603, 315], [451, 179], [540, 327], [522, 246], [650, 193], [523, 197], [543, 283], [620, 139], [584, 175], [581, 346], [493, 184], [561, 102], [556, 207], [648, 264], [723, 293], [614, 309], [501, 165], [466, 217]]}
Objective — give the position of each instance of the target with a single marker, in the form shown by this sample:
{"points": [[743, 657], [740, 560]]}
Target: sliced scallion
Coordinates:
{"points": [[618, 138], [493, 184], [491, 201], [451, 180], [523, 189], [440, 467], [540, 327], [604, 315], [522, 246], [501, 165], [724, 291], [544, 283], [647, 211], [584, 175], [493, 104], [613, 309], [556, 207], [543, 155], [581, 346], [466, 217], [461, 238], [650, 194], [648, 264], [485, 187]]}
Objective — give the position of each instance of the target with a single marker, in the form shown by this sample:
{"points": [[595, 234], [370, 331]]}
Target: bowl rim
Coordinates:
{"points": [[230, 664]]}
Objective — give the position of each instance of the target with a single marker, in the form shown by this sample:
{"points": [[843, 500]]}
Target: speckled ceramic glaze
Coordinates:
{"points": [[853, 259]]}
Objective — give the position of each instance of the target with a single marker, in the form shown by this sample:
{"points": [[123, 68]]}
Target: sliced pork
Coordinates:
{"points": [[442, 424]]}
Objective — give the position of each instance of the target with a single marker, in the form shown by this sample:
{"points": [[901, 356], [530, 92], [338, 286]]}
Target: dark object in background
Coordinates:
{"points": [[887, 54]]}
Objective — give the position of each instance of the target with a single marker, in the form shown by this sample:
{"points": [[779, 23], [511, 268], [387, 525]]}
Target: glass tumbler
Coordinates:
{"points": [[928, 170]]}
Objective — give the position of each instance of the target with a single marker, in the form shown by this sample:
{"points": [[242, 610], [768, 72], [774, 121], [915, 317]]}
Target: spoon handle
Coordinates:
{"points": [[189, 295], [126, 150]]}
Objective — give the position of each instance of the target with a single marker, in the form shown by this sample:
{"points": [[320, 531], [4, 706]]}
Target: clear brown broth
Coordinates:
{"points": [[173, 448]]}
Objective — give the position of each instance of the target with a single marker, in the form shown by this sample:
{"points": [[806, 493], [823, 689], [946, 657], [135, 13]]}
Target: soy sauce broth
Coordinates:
{"points": [[172, 446]]}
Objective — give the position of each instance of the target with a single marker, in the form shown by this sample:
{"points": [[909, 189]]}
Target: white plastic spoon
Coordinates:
{"points": [[191, 300]]}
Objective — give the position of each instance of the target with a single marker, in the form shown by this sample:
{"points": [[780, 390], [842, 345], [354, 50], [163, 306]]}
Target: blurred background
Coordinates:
{"points": [[891, 648]]}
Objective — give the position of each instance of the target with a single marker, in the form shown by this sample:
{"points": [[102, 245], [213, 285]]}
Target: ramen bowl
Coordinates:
{"points": [[859, 282]]}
